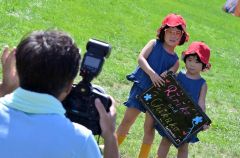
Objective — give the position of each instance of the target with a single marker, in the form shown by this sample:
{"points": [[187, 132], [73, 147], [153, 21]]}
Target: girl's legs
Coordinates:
{"points": [[164, 148], [149, 132], [183, 151], [128, 119]]}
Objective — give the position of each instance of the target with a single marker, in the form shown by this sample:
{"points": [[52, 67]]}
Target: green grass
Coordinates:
{"points": [[127, 26]]}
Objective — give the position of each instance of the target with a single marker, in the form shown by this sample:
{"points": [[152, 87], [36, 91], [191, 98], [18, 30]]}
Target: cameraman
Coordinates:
{"points": [[32, 120]]}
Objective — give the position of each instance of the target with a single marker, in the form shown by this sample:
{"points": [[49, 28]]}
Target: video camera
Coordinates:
{"points": [[79, 104]]}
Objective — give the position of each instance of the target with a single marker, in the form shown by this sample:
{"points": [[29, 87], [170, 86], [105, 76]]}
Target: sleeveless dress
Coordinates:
{"points": [[159, 60], [193, 89]]}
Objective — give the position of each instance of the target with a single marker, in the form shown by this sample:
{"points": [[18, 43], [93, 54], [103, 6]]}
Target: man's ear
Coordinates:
{"points": [[67, 89]]}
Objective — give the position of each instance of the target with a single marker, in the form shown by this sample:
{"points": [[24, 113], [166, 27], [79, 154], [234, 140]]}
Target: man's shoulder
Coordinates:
{"points": [[83, 139], [73, 134], [4, 114], [80, 129], [3, 107], [73, 128]]}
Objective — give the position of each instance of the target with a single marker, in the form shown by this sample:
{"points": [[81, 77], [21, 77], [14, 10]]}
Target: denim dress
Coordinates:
{"points": [[159, 60], [192, 88]]}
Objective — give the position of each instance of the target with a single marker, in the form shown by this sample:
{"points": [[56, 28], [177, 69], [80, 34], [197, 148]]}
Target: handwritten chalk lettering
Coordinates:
{"points": [[158, 89], [174, 129], [185, 110], [176, 101], [172, 125], [174, 97], [174, 110], [158, 107], [183, 107], [162, 113], [179, 94], [168, 120], [170, 131], [178, 140], [178, 105], [170, 89], [171, 97]]}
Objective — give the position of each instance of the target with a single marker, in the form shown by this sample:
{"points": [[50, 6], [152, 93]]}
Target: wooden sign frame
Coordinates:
{"points": [[175, 111]]}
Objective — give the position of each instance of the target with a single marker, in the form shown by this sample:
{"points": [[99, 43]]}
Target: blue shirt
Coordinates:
{"points": [[41, 133], [191, 86]]}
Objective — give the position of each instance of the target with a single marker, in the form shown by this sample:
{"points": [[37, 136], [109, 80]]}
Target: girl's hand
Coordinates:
{"points": [[205, 127], [164, 74], [156, 80]]}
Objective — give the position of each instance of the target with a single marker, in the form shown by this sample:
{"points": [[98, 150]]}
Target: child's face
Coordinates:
{"points": [[173, 36], [193, 66]]}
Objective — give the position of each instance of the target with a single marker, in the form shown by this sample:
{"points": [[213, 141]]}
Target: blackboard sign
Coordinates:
{"points": [[174, 110]]}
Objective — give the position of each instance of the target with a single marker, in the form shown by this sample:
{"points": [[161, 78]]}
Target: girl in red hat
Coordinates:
{"points": [[156, 58], [196, 59]]}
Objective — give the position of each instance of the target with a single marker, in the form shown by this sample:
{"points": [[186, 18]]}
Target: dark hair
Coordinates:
{"points": [[47, 61], [161, 35], [198, 59]]}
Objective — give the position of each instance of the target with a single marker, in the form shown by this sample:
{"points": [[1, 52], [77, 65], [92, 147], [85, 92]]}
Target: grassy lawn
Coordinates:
{"points": [[127, 26]]}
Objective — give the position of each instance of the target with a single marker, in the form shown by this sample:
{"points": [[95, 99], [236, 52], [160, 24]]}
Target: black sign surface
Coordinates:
{"points": [[175, 112]]}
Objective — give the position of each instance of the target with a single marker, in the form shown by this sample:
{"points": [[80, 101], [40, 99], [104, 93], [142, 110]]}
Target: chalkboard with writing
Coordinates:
{"points": [[175, 112]]}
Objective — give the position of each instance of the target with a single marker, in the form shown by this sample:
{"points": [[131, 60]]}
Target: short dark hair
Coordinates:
{"points": [[161, 35], [47, 61], [198, 59]]}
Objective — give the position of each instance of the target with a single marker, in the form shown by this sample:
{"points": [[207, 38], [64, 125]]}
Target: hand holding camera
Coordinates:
{"points": [[107, 119]]}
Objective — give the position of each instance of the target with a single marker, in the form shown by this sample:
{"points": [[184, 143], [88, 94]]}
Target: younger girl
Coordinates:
{"points": [[155, 59], [196, 59]]}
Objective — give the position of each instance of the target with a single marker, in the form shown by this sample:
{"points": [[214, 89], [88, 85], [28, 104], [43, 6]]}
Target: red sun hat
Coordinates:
{"points": [[173, 20], [201, 49]]}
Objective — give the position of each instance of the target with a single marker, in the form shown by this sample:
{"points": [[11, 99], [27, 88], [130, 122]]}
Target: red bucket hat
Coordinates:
{"points": [[174, 20], [201, 49]]}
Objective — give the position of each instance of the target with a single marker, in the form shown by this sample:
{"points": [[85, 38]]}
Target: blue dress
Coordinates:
{"points": [[159, 60], [192, 88]]}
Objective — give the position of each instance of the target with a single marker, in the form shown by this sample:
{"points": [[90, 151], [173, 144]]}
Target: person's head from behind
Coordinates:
{"points": [[47, 62], [173, 30], [196, 57]]}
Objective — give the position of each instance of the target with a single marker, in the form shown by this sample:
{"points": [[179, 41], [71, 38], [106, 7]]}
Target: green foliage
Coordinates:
{"points": [[127, 26]]}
